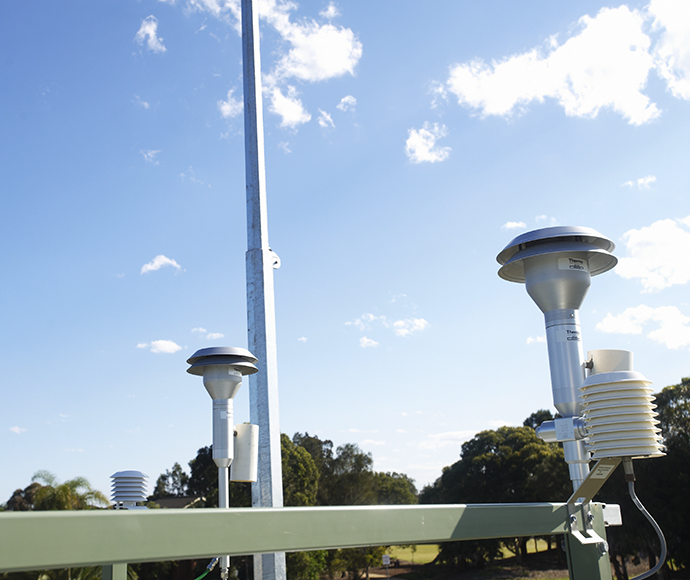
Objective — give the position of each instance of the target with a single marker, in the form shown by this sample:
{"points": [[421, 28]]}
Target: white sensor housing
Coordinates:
{"points": [[619, 408], [128, 488]]}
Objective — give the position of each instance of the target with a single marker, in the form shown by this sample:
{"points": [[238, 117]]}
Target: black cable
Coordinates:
{"points": [[657, 529]]}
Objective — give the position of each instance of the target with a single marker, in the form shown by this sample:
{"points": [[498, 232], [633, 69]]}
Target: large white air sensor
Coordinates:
{"points": [[556, 265], [607, 416]]}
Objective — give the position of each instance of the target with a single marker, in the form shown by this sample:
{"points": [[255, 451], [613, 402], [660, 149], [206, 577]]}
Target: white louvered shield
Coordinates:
{"points": [[618, 408], [128, 488]]}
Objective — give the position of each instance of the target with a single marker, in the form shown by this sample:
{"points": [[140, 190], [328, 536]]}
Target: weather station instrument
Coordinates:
{"points": [[607, 411], [234, 446]]}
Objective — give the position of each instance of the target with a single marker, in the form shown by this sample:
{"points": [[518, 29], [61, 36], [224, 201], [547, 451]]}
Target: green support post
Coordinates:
{"points": [[115, 572], [589, 561]]}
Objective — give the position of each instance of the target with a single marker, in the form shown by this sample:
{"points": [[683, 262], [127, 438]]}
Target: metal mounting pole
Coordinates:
{"points": [[263, 386]]}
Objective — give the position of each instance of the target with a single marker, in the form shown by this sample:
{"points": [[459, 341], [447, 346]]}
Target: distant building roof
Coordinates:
{"points": [[179, 502]]}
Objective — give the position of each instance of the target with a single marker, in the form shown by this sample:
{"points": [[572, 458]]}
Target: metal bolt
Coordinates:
{"points": [[603, 547], [573, 519]]}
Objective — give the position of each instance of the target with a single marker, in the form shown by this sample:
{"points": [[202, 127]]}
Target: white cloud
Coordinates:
{"points": [[535, 339], [150, 155], [372, 442], [365, 342], [347, 103], [18, 430], [330, 12], [231, 107], [318, 52], [288, 107], [302, 339], [439, 92], [408, 326], [161, 346], [137, 100], [325, 119], [440, 440], [148, 31], [657, 254], [284, 146], [192, 177], [605, 65], [220, 9], [673, 329], [641, 183], [209, 335], [421, 144], [364, 321], [513, 225], [672, 51], [159, 262]]}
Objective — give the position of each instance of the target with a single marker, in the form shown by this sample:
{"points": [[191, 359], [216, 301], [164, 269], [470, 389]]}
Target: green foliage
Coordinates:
{"points": [[537, 418], [202, 482], [203, 478], [351, 477], [344, 478], [393, 488], [74, 494], [172, 483], [509, 464], [306, 565], [300, 476], [354, 560], [22, 500]]}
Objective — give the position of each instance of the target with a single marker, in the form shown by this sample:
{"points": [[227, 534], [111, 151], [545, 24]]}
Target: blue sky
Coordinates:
{"points": [[406, 144]]}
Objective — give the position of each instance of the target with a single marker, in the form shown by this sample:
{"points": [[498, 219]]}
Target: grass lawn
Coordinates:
{"points": [[423, 554]]}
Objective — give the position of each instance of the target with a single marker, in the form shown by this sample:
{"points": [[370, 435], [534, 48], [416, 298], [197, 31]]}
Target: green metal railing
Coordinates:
{"points": [[113, 538]]}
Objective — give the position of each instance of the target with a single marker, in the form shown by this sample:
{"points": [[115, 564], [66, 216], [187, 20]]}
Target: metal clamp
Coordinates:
{"points": [[587, 535]]}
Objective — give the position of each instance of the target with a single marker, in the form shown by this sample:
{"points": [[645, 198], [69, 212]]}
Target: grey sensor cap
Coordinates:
{"points": [[239, 358], [553, 240]]}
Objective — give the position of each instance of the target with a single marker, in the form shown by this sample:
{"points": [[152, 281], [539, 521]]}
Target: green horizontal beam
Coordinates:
{"points": [[41, 540]]}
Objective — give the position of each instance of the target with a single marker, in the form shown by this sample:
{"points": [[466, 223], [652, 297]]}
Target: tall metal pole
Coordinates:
{"points": [[263, 386]]}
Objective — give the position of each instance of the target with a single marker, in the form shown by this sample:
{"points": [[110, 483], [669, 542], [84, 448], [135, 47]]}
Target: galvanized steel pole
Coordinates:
{"points": [[260, 260]]}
